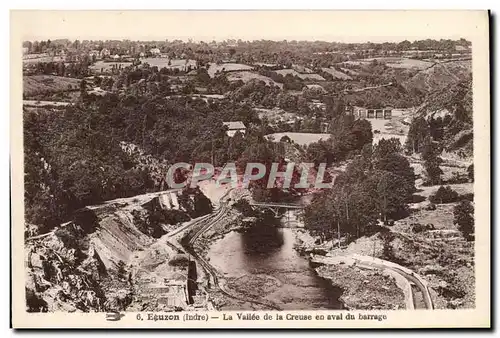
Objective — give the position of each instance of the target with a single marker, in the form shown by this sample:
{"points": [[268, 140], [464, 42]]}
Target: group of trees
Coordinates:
{"points": [[377, 185], [73, 158], [72, 69], [348, 136], [463, 217]]}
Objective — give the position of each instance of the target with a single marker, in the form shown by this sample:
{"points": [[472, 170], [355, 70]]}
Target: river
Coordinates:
{"points": [[262, 263]]}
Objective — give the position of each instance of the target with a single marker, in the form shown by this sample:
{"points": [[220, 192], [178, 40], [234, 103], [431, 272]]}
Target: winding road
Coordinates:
{"points": [[369, 262]]}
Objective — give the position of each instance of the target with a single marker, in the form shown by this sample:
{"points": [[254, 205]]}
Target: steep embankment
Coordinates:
{"points": [[449, 101], [83, 264], [454, 106]]}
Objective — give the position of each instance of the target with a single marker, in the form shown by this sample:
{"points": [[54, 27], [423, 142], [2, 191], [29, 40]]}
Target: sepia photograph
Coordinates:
{"points": [[307, 174]]}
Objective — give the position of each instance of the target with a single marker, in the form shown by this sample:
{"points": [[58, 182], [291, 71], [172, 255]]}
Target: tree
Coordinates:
{"points": [[319, 152], [431, 162], [320, 217], [433, 171], [384, 147], [463, 214], [419, 131], [120, 270], [83, 89], [202, 76], [387, 157], [361, 132], [392, 195], [470, 172], [285, 138]]}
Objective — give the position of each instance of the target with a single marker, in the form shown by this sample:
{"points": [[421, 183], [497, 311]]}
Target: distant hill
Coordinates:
{"points": [[439, 76]]}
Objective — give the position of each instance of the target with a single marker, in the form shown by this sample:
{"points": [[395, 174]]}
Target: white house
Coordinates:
{"points": [[155, 51]]}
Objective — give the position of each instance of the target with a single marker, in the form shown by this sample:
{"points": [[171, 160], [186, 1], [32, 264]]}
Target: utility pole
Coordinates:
{"points": [[212, 152], [338, 230]]}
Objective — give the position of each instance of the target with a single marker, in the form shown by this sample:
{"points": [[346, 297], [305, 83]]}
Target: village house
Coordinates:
{"points": [[233, 127], [155, 51], [95, 53]]}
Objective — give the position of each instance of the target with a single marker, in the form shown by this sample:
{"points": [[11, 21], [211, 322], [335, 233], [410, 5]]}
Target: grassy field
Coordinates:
{"points": [[35, 58], [48, 84], [336, 74], [227, 67], [395, 62], [246, 76], [106, 66], [174, 63], [313, 77]]}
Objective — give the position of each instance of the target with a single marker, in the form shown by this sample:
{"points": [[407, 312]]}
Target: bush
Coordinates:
{"points": [[417, 198], [470, 172], [444, 195], [244, 207], [179, 260], [467, 197], [120, 270], [67, 236], [457, 178], [285, 139], [431, 206], [418, 228]]}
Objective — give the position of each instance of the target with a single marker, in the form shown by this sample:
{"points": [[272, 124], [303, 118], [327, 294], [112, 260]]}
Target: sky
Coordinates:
{"points": [[340, 26]]}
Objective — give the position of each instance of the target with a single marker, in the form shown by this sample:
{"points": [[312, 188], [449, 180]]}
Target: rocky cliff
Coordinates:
{"points": [[83, 265]]}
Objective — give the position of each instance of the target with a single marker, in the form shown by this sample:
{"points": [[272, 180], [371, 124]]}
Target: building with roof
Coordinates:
{"points": [[233, 127], [155, 51], [371, 113]]}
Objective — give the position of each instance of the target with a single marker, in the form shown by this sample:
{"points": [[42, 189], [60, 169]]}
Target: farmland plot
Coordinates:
{"points": [[106, 66], [180, 64], [336, 74], [227, 67], [312, 77], [246, 76], [47, 84]]}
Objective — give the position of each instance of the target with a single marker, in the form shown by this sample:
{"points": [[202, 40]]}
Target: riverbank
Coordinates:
{"points": [[362, 288]]}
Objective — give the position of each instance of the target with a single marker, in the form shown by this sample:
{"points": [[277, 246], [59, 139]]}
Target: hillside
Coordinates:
{"points": [[454, 105], [439, 76], [382, 96], [87, 264]]}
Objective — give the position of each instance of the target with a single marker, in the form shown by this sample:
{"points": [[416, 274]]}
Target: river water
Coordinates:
{"points": [[262, 263]]}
